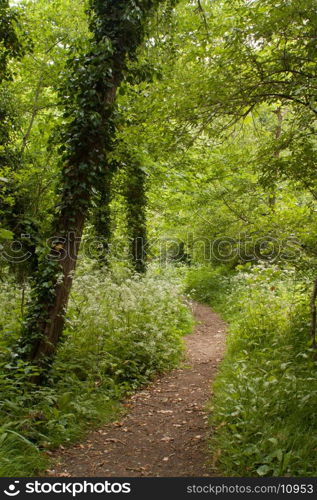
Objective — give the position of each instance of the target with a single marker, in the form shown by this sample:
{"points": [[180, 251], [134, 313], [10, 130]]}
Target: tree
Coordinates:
{"points": [[89, 98]]}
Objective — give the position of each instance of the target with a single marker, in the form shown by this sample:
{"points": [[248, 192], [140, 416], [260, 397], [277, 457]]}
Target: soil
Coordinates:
{"points": [[165, 432]]}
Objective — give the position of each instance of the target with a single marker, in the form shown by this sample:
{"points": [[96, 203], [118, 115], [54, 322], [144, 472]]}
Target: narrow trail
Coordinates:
{"points": [[165, 432]]}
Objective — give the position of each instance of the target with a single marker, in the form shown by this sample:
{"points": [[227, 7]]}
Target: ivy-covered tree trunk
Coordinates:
{"points": [[101, 216], [89, 99], [136, 213]]}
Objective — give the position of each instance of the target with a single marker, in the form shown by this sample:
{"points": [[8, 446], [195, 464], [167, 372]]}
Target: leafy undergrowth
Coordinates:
{"points": [[121, 331], [264, 408]]}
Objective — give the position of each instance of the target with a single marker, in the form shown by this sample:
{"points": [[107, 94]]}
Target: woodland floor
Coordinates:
{"points": [[165, 431]]}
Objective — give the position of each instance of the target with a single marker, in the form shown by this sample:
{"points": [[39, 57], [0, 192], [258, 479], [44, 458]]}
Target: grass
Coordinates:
{"points": [[263, 413]]}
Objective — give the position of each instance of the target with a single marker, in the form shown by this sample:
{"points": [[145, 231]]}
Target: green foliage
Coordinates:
{"points": [[264, 404], [10, 45], [125, 329], [15, 450], [209, 112], [219, 161], [11, 311], [208, 284], [5, 234], [29, 114], [121, 330]]}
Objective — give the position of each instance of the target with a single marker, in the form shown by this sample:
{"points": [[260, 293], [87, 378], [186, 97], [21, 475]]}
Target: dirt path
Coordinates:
{"points": [[165, 432]]}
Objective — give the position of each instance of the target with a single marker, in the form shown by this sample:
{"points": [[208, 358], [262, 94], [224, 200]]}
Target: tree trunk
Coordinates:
{"points": [[101, 217], [53, 326], [136, 214]]}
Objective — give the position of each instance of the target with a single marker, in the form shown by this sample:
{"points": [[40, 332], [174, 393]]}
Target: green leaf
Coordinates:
{"points": [[263, 470], [5, 234]]}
